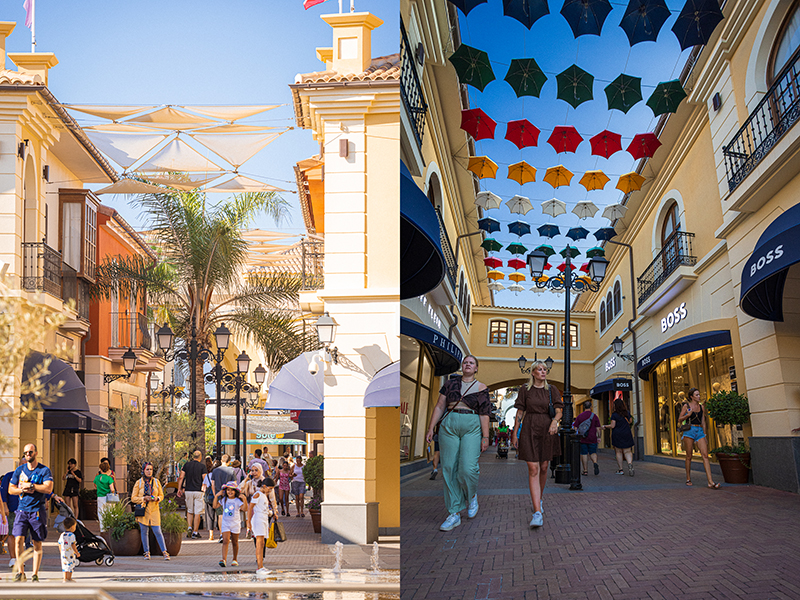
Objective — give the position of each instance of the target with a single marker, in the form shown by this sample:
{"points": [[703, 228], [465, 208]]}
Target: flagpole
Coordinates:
{"points": [[33, 26]]}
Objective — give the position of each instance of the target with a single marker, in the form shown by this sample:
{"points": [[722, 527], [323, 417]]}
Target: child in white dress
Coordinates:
{"points": [[231, 501], [67, 545], [259, 514]]}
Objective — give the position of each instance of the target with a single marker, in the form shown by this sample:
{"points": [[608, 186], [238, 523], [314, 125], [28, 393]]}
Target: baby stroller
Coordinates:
{"points": [[91, 547], [502, 447]]}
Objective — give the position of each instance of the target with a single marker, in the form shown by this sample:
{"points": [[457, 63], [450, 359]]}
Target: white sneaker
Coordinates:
{"points": [[541, 505], [451, 522], [537, 520], [12, 562], [473, 507], [262, 572]]}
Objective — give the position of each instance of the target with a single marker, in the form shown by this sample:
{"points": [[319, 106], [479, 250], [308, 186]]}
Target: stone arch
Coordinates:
{"points": [[433, 187], [756, 84], [30, 199], [666, 202]]}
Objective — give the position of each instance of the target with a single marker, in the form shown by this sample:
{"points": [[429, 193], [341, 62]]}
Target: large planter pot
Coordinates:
{"points": [[88, 510], [735, 467], [130, 544], [173, 541], [316, 520]]}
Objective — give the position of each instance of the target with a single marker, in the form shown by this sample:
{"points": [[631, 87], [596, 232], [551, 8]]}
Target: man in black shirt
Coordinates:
{"points": [[191, 482]]}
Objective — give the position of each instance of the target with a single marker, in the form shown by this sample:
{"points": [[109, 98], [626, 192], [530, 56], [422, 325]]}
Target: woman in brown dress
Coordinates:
{"points": [[538, 440]]}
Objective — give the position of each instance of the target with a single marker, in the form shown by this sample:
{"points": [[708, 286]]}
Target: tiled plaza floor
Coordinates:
{"points": [[626, 538]]}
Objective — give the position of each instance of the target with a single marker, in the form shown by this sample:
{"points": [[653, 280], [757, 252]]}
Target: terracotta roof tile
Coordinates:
{"points": [[381, 69]]}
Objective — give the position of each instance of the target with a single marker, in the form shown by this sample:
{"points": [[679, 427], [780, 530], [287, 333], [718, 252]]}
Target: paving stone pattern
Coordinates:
{"points": [[642, 537]]}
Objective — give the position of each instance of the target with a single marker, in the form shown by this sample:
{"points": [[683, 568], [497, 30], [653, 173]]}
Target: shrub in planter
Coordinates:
{"points": [[173, 526], [122, 530], [314, 507], [731, 409], [314, 474], [314, 504]]}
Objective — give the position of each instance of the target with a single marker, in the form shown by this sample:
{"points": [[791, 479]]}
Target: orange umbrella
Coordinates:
{"points": [[516, 276], [594, 180], [494, 275], [522, 172], [482, 166], [630, 182], [558, 176]]}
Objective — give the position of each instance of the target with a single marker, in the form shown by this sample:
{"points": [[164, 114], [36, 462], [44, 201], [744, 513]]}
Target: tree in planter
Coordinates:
{"points": [[731, 409], [314, 475]]}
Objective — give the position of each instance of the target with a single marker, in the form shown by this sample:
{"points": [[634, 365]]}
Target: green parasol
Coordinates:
{"points": [[666, 97], [491, 245], [624, 92], [573, 252], [516, 248], [547, 249], [575, 86], [596, 251], [472, 66], [525, 77]]}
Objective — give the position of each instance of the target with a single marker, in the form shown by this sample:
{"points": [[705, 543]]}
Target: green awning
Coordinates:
{"points": [[268, 442]]}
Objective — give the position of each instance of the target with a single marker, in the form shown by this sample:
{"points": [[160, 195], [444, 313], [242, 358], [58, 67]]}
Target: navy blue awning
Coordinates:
{"points": [[611, 385], [764, 273], [690, 343], [446, 355], [73, 392], [422, 264]]}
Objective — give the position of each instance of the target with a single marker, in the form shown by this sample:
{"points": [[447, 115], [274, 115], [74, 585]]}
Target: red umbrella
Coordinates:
{"points": [[477, 123], [606, 143], [492, 262], [522, 133], [562, 267], [516, 263], [564, 139], [584, 267], [643, 145]]}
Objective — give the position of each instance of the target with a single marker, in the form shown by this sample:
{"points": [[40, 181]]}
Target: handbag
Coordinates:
{"points": [[449, 410], [112, 497], [280, 531], [685, 426], [270, 541], [139, 510]]}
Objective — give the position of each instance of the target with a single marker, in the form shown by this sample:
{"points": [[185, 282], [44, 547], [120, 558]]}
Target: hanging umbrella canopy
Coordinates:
{"points": [[491, 245], [488, 200], [526, 12], [585, 17], [482, 166], [384, 389], [604, 234], [554, 207], [515, 287], [573, 252], [584, 267], [575, 85], [623, 92], [643, 20], [547, 249], [525, 77], [495, 275], [496, 286], [522, 133], [478, 124], [585, 209], [643, 145], [295, 388], [467, 5], [521, 172], [596, 251], [606, 143], [548, 230], [564, 138], [492, 262], [558, 176], [488, 224], [516, 248], [696, 22], [630, 182], [519, 228], [516, 277], [594, 180], [577, 233], [615, 211], [516, 263], [666, 97], [472, 66], [519, 205]]}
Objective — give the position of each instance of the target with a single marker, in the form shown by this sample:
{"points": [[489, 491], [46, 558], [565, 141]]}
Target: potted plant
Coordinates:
{"points": [[314, 474], [731, 409], [173, 526], [314, 507], [87, 500], [121, 529]]}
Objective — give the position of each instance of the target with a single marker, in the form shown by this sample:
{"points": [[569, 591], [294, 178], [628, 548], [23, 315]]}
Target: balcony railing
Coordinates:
{"points": [[447, 250], [75, 289], [130, 329], [313, 256], [41, 268], [777, 112], [677, 251], [410, 88]]}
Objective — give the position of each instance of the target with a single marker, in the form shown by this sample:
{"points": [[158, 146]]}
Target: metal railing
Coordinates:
{"points": [[41, 268], [777, 112], [130, 329], [75, 289], [313, 257], [447, 250], [410, 88], [677, 251]]}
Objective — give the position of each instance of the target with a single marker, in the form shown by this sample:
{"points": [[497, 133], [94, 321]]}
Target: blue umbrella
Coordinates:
{"points": [[696, 22], [643, 20], [585, 17], [577, 233], [526, 12], [519, 228], [488, 224], [467, 5], [604, 234], [548, 230]]}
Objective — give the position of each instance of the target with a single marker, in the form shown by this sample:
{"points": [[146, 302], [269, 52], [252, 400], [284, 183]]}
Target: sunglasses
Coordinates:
{"points": [[29, 452]]}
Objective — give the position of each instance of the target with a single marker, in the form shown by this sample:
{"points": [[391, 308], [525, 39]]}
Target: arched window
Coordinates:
{"points": [[546, 334], [573, 338], [523, 331], [787, 44], [609, 309], [602, 315], [670, 245], [461, 292], [435, 192], [468, 310], [498, 332], [617, 298]]}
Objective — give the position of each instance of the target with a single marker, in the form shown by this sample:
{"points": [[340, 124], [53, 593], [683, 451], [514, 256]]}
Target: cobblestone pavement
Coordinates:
{"points": [[641, 537]]}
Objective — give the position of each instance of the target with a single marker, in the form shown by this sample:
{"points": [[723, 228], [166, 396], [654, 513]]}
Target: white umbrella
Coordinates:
{"points": [[519, 204], [615, 211], [384, 389], [488, 200], [585, 210], [295, 388], [515, 287], [554, 207], [496, 286], [537, 290]]}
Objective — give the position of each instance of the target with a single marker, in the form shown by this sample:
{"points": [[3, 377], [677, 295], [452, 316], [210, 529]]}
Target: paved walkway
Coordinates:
{"points": [[649, 536]]}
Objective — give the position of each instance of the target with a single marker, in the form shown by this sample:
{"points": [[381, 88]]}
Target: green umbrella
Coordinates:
{"points": [[666, 97], [596, 251], [491, 245], [525, 77], [573, 252], [472, 66], [575, 86], [548, 250], [624, 92], [516, 248]]}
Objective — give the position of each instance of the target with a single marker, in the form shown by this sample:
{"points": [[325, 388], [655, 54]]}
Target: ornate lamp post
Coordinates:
{"points": [[128, 363], [172, 392], [326, 333], [569, 470], [522, 361]]}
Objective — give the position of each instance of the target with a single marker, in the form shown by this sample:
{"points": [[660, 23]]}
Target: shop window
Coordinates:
{"points": [[617, 298], [602, 312], [573, 329], [523, 331], [498, 332], [546, 335]]}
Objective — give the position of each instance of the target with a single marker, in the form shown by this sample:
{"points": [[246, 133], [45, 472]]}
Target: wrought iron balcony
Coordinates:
{"points": [[41, 268], [677, 251], [777, 112], [410, 88], [447, 250], [75, 289], [313, 261], [130, 330]]}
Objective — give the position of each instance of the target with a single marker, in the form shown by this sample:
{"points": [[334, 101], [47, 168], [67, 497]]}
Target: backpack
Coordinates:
{"points": [[585, 426]]}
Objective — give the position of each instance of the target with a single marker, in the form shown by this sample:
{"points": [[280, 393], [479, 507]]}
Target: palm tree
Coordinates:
{"points": [[200, 276]]}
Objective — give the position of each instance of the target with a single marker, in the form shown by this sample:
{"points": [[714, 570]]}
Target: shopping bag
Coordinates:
{"points": [[280, 531], [271, 543], [112, 498]]}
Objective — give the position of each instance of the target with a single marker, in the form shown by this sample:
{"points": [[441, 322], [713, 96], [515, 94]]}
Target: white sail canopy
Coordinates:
{"points": [[236, 148], [108, 112], [230, 113], [179, 156], [171, 118], [240, 184], [131, 186], [125, 148]]}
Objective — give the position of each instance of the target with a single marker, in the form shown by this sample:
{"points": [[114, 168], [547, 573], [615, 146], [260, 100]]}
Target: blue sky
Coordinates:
{"points": [[193, 52]]}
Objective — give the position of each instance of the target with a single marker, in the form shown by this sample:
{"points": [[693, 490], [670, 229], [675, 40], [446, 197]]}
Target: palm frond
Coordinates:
{"points": [[279, 334], [134, 276]]}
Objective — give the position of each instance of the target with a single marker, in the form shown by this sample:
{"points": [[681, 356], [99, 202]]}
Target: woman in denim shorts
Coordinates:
{"points": [[696, 436]]}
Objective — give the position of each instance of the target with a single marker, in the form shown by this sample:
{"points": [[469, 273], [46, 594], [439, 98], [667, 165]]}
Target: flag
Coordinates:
{"points": [[28, 6], [306, 3]]}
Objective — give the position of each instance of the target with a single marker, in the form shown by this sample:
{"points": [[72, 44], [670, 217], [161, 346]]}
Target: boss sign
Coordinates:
{"points": [[766, 259], [673, 318]]}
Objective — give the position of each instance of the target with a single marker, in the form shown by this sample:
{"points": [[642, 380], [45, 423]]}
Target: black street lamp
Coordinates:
{"points": [[128, 363], [617, 345], [522, 361], [568, 471]]}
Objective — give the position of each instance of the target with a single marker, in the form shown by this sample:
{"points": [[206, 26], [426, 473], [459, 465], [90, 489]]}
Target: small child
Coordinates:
{"points": [[232, 501], [69, 548], [258, 517]]}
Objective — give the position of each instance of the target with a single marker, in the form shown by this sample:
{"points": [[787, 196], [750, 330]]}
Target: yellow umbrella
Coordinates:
{"points": [[594, 180], [558, 176], [482, 166], [495, 275], [516, 277], [630, 182], [541, 279], [522, 172]]}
